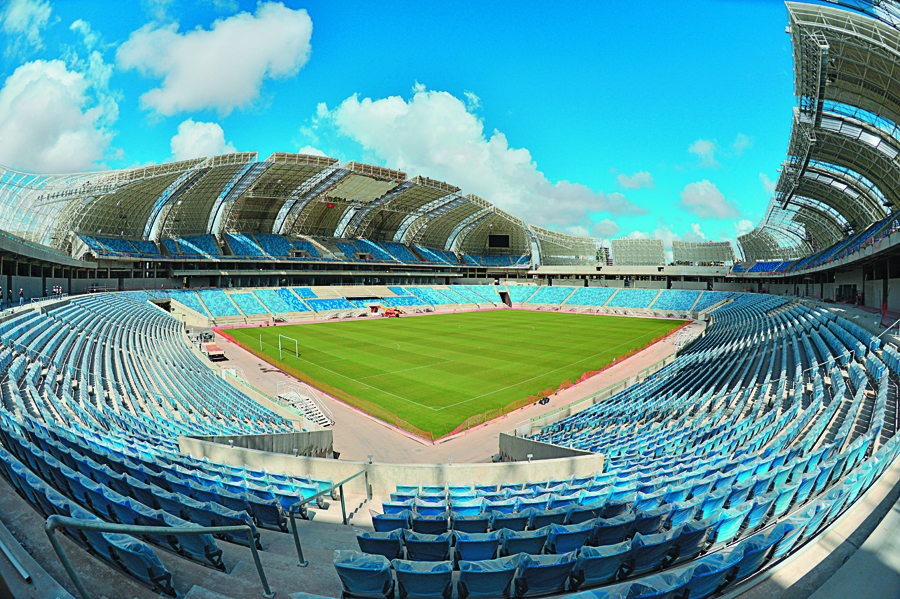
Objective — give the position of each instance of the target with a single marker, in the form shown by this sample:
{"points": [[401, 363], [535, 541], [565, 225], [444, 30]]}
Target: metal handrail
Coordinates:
{"points": [[56, 521], [291, 510]]}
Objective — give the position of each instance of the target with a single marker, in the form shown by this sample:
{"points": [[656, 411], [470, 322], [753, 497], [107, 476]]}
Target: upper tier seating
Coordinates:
{"points": [[399, 251], [766, 266], [307, 246], [192, 245], [244, 245]]}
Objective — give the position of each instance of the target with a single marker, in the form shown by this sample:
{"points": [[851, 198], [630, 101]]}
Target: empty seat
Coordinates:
{"points": [[389, 522], [513, 521], [463, 523], [708, 574], [756, 550], [476, 546], [542, 574], [430, 524], [730, 522], [599, 565], [427, 548], [423, 579], [564, 539], [611, 531], [364, 575], [583, 513], [530, 541], [692, 538], [650, 522], [540, 519], [487, 578], [648, 552], [388, 544]]}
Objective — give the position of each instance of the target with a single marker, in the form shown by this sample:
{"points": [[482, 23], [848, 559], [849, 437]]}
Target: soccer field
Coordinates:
{"points": [[436, 371]]}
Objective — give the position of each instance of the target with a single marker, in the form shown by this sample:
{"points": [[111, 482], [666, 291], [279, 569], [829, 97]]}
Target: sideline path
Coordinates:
{"points": [[357, 435]]}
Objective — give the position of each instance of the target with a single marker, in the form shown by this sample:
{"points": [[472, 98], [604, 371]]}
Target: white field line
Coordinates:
{"points": [[405, 370], [535, 377]]}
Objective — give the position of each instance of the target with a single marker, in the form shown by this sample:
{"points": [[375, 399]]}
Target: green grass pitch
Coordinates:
{"points": [[436, 371]]}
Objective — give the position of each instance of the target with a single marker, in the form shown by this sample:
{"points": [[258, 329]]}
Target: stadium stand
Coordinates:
{"points": [[590, 296], [399, 251], [249, 304], [550, 295], [192, 245], [673, 299], [217, 303], [306, 246], [633, 298], [321, 305], [244, 245], [520, 293]]}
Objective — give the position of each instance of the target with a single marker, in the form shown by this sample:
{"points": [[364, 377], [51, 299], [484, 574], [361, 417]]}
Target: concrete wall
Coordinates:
{"points": [[894, 294], [828, 291], [384, 478], [314, 444], [693, 285], [648, 284], [32, 286], [516, 449], [874, 291], [850, 277]]}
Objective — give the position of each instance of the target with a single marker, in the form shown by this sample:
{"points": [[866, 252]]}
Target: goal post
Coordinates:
{"points": [[281, 346]]}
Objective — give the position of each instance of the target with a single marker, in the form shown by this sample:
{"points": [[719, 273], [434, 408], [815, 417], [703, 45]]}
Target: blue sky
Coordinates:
{"points": [[663, 119]]}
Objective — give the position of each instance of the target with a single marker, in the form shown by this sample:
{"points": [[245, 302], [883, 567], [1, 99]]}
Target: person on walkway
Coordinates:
{"points": [[9, 298], [21, 296]]}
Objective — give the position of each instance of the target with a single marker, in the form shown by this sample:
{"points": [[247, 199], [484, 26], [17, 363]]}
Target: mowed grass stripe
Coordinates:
{"points": [[436, 371]]}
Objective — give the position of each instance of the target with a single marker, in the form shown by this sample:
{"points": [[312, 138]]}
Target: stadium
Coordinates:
{"points": [[300, 376]]}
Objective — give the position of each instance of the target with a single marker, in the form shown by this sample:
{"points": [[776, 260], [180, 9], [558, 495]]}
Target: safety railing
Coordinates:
{"points": [[55, 521], [293, 509]]}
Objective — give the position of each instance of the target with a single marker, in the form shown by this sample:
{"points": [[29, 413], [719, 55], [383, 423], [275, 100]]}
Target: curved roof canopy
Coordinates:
{"points": [[842, 173], [285, 194]]}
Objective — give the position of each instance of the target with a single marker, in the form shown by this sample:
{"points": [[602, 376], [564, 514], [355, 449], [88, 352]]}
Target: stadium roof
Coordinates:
{"points": [[287, 194], [842, 173]]}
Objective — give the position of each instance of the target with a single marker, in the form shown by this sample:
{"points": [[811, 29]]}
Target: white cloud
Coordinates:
{"points": [[224, 5], [22, 21], [705, 150], [742, 227], [636, 181], [199, 140], [706, 201], [311, 151], [222, 68], [605, 228], [741, 143], [768, 184], [53, 119], [157, 9], [433, 134], [88, 35], [473, 102]]}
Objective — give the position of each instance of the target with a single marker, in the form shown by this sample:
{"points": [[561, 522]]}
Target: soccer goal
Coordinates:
{"points": [[282, 343]]}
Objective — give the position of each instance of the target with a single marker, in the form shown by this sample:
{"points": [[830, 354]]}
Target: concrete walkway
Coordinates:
{"points": [[358, 435]]}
